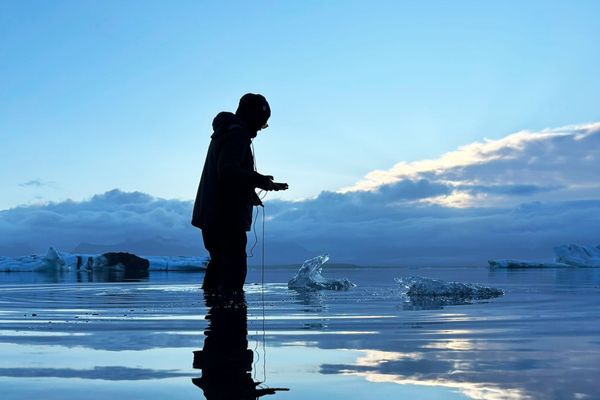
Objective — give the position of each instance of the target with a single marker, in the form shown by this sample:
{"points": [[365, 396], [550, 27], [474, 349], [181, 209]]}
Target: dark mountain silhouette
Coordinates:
{"points": [[150, 247], [16, 250]]}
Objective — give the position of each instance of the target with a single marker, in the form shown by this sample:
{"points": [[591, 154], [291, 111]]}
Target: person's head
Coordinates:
{"points": [[254, 111]]}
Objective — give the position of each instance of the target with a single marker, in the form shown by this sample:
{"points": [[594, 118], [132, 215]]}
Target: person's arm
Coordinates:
{"points": [[229, 164]]}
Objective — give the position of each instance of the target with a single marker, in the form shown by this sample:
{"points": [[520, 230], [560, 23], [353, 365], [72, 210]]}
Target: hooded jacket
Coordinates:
{"points": [[226, 192]]}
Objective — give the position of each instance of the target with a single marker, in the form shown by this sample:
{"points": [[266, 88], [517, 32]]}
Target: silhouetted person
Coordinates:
{"points": [[225, 360], [226, 194]]}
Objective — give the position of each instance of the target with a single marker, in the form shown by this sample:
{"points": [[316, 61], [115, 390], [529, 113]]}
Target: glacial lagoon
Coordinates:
{"points": [[65, 336]]}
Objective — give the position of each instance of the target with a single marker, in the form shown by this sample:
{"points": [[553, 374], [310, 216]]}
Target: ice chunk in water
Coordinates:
{"points": [[55, 260], [419, 287], [509, 263], [309, 277], [569, 255], [578, 256]]}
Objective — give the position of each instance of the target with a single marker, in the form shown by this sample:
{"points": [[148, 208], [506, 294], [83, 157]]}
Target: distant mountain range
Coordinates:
{"points": [[16, 250], [275, 252], [150, 247]]}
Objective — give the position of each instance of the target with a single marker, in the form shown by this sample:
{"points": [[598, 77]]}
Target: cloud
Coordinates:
{"points": [[109, 218], [109, 373], [510, 190], [433, 234], [515, 197], [562, 160], [37, 183]]}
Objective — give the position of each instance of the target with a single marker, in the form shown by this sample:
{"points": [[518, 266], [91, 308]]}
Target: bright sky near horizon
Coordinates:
{"points": [[99, 95]]}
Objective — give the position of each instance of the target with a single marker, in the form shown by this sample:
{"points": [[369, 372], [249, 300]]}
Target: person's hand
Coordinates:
{"points": [[277, 186], [268, 184]]}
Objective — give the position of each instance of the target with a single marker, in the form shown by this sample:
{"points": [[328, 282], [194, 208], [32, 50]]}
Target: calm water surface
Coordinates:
{"points": [[69, 337]]}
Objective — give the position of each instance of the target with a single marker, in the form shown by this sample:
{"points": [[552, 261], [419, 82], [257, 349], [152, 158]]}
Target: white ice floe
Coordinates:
{"points": [[570, 255], [55, 260], [578, 256], [416, 287], [176, 263], [309, 277]]}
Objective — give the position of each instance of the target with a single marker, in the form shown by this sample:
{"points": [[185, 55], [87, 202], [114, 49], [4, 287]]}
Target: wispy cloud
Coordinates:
{"points": [[37, 183]]}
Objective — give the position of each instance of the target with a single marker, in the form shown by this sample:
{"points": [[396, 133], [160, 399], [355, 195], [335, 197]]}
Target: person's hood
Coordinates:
{"points": [[223, 122], [254, 110]]}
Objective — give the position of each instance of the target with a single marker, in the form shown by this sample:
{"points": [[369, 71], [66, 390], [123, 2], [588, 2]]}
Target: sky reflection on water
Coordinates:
{"points": [[100, 340]]}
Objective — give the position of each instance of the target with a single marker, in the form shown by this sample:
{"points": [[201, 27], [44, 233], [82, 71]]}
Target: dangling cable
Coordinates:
{"points": [[254, 218], [262, 286], [262, 274], [256, 332]]}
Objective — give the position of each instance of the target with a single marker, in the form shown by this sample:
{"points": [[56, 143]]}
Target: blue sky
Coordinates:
{"points": [[421, 133], [99, 95]]}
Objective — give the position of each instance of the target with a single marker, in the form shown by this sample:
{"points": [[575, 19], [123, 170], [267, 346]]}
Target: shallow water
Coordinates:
{"points": [[64, 337]]}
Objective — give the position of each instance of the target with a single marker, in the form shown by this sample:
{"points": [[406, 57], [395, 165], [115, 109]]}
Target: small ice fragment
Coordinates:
{"points": [[309, 277], [417, 287]]}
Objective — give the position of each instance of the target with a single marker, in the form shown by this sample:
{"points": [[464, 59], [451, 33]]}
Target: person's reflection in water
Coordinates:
{"points": [[225, 360]]}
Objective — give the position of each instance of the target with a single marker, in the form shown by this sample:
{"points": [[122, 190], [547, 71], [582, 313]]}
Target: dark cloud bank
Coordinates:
{"points": [[363, 228], [522, 212]]}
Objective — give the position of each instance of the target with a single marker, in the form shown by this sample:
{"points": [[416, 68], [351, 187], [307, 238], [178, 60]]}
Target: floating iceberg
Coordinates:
{"points": [[309, 277], [55, 260], [570, 255], [508, 263], [52, 261], [578, 256], [424, 290], [176, 263]]}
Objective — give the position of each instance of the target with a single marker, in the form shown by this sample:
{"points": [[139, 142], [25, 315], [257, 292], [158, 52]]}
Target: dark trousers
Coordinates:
{"points": [[227, 267]]}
